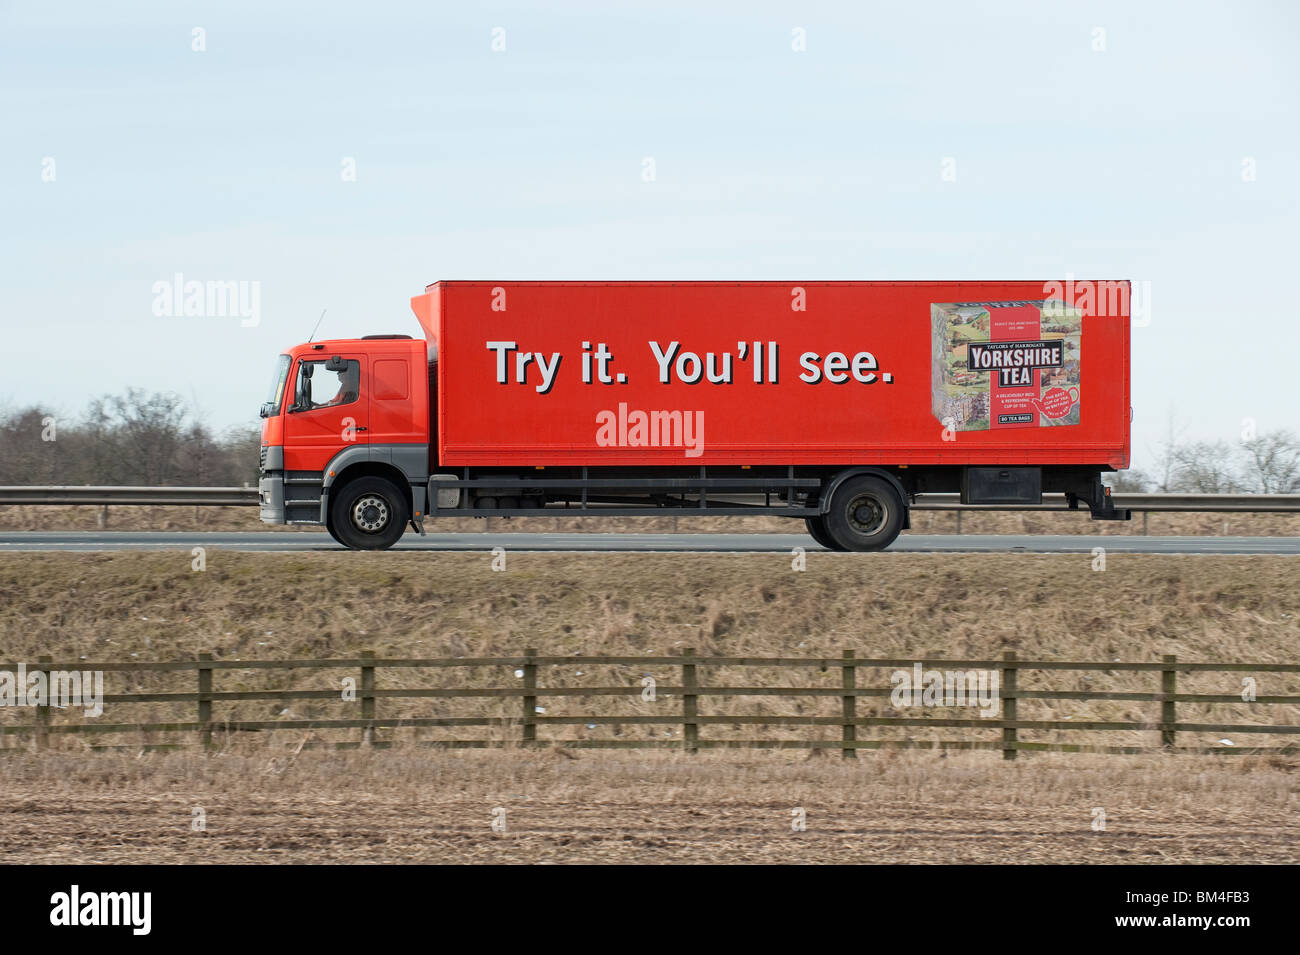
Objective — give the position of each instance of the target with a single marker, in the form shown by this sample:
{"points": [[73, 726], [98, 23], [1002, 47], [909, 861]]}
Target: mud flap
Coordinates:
{"points": [[417, 509], [1100, 505]]}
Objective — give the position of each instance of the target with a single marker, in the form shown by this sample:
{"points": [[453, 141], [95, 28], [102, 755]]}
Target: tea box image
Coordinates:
{"points": [[1001, 365]]}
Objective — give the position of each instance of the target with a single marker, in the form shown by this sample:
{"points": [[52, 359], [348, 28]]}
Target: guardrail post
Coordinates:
{"points": [[958, 521], [1168, 715], [1008, 705], [849, 731], [205, 701], [690, 729], [530, 702], [43, 710], [367, 696]]}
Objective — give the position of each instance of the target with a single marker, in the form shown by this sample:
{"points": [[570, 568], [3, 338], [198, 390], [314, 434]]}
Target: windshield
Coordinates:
{"points": [[276, 395]]}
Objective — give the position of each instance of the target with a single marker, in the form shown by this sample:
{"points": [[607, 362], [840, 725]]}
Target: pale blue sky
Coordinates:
{"points": [[526, 164]]}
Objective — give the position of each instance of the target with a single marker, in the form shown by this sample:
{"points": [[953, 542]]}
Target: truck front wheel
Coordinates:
{"points": [[866, 513], [369, 513]]}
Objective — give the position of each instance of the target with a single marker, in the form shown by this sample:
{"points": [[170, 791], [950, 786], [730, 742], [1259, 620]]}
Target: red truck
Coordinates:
{"points": [[834, 402]]}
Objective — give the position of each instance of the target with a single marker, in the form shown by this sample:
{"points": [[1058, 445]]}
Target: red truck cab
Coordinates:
{"points": [[347, 413]]}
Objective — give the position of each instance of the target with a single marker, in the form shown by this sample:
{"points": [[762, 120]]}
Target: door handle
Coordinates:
{"points": [[361, 429]]}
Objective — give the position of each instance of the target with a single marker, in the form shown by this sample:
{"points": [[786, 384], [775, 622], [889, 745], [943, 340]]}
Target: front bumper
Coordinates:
{"points": [[270, 484], [270, 491]]}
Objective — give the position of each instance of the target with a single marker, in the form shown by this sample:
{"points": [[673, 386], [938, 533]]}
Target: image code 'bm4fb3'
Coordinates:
{"points": [[834, 402]]}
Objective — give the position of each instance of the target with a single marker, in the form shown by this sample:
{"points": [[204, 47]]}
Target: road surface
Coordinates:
{"points": [[291, 541]]}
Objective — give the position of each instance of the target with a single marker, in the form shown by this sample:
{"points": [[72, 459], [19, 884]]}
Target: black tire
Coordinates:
{"points": [[866, 513], [369, 513], [329, 526], [817, 531]]}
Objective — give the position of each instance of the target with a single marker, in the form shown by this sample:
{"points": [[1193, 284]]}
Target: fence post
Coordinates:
{"points": [[1008, 705], [530, 702], [43, 710], [1168, 687], [690, 729], [367, 696], [849, 732], [205, 701]]}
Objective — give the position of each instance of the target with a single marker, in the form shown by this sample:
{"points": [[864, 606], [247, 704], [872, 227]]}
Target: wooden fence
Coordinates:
{"points": [[683, 698]]}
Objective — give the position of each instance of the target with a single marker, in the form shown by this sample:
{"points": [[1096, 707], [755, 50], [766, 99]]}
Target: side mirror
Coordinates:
{"points": [[265, 410]]}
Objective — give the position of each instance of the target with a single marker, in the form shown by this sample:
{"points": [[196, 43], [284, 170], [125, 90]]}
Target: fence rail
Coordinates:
{"points": [[248, 496], [682, 699]]}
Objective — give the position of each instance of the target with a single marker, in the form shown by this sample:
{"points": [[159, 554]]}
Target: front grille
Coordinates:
{"points": [[261, 459]]}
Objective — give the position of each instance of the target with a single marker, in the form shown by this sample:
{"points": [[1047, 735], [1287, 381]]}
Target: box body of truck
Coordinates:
{"points": [[836, 402], [772, 373]]}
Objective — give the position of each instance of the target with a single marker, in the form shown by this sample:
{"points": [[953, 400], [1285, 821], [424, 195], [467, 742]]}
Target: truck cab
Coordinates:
{"points": [[345, 438]]}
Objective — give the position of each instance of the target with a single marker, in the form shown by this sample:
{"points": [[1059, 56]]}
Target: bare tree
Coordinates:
{"points": [[1167, 456], [1131, 481], [134, 438], [240, 447], [1204, 467], [24, 454], [148, 429], [1271, 463]]}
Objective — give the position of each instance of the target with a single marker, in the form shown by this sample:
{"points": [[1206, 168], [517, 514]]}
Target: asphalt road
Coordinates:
{"points": [[290, 541]]}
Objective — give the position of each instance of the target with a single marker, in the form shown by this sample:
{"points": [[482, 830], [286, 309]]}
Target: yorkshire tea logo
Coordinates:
{"points": [[1005, 364], [1014, 361]]}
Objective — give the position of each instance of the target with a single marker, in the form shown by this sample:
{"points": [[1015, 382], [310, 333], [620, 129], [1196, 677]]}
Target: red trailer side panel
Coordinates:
{"points": [[708, 373]]}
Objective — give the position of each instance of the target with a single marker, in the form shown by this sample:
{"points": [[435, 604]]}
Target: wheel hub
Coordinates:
{"points": [[370, 514], [867, 515]]}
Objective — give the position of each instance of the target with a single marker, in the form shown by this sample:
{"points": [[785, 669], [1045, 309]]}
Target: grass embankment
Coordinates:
{"points": [[268, 798], [122, 607]]}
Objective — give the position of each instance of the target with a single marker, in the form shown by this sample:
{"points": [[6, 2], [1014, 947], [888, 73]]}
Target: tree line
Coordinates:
{"points": [[135, 438], [1263, 463], [156, 438]]}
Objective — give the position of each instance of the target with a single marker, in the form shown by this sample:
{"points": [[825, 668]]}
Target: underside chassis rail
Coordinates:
{"points": [[660, 494]]}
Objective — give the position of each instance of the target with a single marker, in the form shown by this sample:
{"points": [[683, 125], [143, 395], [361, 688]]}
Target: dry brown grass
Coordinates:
{"points": [[266, 805], [119, 607], [411, 804], [85, 518]]}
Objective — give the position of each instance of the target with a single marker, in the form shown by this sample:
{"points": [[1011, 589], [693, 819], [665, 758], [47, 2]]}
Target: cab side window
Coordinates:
{"points": [[319, 387]]}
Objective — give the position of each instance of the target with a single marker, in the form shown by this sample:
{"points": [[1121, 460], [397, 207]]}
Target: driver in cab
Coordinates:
{"points": [[349, 387]]}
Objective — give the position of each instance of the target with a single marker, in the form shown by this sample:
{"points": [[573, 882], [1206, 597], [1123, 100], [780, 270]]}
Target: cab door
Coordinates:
{"points": [[330, 410]]}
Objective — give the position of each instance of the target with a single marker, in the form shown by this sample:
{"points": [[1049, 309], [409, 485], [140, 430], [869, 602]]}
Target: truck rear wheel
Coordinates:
{"points": [[866, 513], [369, 513], [817, 531]]}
